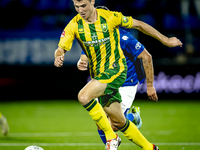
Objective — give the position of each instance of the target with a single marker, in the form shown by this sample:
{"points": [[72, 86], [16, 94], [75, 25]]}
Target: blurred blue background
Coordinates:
{"points": [[30, 31]]}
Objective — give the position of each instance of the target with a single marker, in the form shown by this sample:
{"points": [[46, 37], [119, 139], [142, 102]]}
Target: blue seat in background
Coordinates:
{"points": [[3, 3], [171, 22], [35, 23], [62, 4], [26, 3], [44, 4], [149, 19]]}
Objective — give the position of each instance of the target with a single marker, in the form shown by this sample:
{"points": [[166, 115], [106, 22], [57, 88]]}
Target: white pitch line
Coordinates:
{"points": [[92, 144]]}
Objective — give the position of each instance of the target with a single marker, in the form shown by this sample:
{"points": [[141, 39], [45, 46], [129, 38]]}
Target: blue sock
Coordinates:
{"points": [[102, 136]]}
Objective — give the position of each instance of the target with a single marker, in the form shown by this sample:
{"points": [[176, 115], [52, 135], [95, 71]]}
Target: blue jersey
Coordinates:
{"points": [[131, 48]]}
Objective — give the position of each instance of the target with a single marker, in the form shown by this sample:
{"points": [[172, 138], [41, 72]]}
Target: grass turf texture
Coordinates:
{"points": [[66, 125]]}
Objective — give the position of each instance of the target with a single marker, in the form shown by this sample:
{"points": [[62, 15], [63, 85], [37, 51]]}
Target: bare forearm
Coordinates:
{"points": [[149, 71], [147, 29]]}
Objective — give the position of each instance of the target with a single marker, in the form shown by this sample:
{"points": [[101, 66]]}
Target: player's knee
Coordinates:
{"points": [[83, 99]]}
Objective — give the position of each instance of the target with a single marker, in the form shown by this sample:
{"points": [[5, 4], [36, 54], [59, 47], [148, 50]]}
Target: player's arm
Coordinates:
{"points": [[149, 71], [59, 57], [65, 43], [149, 30], [83, 63]]}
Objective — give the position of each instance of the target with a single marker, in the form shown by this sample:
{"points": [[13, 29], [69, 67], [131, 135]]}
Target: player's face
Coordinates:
{"points": [[84, 8]]}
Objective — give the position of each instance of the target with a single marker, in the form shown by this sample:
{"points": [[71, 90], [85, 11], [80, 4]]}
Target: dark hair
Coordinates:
{"points": [[102, 7]]}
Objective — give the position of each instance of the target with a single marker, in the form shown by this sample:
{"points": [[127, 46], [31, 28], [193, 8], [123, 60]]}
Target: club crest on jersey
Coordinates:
{"points": [[104, 27]]}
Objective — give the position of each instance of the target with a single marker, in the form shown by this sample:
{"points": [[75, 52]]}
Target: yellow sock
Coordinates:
{"points": [[98, 115], [132, 133]]}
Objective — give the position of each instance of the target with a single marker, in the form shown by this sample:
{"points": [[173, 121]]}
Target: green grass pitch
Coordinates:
{"points": [[66, 125]]}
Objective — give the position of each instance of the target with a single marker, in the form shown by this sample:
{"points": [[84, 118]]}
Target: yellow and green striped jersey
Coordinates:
{"points": [[100, 40]]}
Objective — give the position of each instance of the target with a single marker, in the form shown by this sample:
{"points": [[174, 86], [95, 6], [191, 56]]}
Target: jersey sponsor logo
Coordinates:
{"points": [[125, 37], [104, 27], [138, 46], [63, 34], [97, 42]]}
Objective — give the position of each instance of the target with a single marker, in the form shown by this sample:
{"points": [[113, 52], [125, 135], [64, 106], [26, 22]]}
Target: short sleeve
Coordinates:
{"points": [[67, 36], [134, 46], [121, 20]]}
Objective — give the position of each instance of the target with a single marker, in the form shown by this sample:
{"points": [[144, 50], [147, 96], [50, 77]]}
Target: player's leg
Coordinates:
{"points": [[111, 103], [102, 136], [86, 97], [133, 114], [114, 79], [128, 96], [129, 129], [4, 125]]}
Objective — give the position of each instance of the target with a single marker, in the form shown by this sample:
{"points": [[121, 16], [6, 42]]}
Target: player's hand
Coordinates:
{"points": [[82, 65], [59, 61], [173, 42], [151, 92]]}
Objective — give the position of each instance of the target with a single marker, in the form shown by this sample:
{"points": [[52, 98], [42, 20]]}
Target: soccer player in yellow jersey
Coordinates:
{"points": [[98, 34]]}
